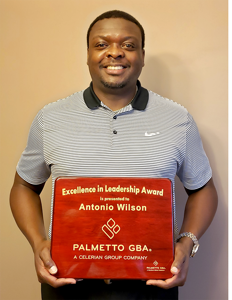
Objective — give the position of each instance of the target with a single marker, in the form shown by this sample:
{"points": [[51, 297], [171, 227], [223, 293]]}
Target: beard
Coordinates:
{"points": [[114, 85]]}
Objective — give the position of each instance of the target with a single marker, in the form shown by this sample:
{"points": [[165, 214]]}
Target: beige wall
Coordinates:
{"points": [[43, 58]]}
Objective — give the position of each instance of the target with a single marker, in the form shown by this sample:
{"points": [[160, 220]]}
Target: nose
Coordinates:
{"points": [[115, 51]]}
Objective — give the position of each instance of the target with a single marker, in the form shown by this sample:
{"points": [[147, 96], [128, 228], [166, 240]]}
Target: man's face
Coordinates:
{"points": [[115, 54]]}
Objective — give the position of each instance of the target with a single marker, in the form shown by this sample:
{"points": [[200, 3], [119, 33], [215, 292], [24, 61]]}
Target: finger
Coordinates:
{"points": [[46, 268], [164, 284], [177, 280], [64, 281], [53, 270], [178, 262], [174, 270], [180, 258], [49, 264], [45, 277], [177, 265], [57, 282]]}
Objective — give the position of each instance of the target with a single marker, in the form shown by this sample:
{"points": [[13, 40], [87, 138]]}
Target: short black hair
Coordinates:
{"points": [[117, 14]]}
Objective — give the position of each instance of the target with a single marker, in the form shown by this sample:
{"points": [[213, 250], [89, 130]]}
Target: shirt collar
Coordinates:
{"points": [[139, 102]]}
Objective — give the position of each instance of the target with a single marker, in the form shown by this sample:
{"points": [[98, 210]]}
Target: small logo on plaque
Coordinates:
{"points": [[111, 228], [155, 263]]}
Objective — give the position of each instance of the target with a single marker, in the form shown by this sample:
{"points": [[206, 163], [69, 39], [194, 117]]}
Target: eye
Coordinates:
{"points": [[101, 45], [128, 46]]}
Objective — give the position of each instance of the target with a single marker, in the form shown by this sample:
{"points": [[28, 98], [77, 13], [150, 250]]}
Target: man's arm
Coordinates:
{"points": [[27, 210], [200, 209]]}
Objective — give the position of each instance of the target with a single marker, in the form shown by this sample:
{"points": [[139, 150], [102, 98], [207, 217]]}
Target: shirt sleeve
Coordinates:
{"points": [[32, 166], [195, 171]]}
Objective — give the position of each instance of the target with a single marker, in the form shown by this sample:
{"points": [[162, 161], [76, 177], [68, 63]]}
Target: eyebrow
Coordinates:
{"points": [[105, 37]]}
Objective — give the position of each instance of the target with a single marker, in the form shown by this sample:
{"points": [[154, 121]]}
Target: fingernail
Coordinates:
{"points": [[53, 270], [174, 270]]}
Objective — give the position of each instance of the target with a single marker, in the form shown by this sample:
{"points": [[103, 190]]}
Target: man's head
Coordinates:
{"points": [[117, 14], [115, 52]]}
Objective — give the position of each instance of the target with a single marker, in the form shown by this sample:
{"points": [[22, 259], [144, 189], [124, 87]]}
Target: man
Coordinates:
{"points": [[105, 131]]}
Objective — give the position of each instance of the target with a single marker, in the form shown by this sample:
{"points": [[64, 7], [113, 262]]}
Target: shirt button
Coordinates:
{"points": [[115, 117], [115, 131]]}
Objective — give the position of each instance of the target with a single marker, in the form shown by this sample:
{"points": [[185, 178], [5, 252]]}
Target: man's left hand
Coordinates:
{"points": [[179, 268]]}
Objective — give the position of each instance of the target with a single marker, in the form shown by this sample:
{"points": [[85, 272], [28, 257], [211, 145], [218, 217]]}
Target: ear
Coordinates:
{"points": [[87, 56], [143, 57]]}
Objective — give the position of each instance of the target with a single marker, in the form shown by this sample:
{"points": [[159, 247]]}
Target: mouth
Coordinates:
{"points": [[115, 70], [115, 67]]}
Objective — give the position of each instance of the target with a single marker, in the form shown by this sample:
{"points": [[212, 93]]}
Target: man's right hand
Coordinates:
{"points": [[46, 268]]}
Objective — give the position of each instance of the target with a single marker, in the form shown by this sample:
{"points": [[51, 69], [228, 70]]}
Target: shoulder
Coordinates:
{"points": [[67, 104], [158, 101], [166, 108]]}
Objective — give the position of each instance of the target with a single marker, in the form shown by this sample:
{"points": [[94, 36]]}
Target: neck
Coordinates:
{"points": [[115, 99]]}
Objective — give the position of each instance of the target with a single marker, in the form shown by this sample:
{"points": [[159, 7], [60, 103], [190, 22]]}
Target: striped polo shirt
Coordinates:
{"points": [[151, 137]]}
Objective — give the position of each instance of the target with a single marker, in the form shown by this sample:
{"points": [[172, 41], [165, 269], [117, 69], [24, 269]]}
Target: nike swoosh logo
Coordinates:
{"points": [[151, 134]]}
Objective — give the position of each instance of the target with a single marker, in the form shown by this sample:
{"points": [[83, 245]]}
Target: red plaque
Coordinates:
{"points": [[117, 228]]}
